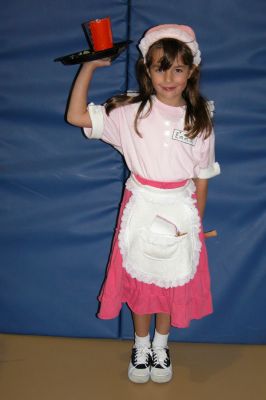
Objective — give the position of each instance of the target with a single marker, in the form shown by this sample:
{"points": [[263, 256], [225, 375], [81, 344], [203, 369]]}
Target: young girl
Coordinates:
{"points": [[158, 263]]}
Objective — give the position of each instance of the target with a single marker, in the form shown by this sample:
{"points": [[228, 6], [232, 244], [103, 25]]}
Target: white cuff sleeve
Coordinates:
{"points": [[209, 172], [96, 116]]}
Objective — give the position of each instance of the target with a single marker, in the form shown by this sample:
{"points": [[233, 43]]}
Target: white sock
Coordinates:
{"points": [[142, 341], [160, 340]]}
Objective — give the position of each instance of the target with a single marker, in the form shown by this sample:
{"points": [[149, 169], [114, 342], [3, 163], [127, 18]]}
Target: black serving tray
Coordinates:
{"points": [[90, 55]]}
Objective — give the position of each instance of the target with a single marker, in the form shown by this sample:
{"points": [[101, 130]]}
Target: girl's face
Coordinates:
{"points": [[169, 84]]}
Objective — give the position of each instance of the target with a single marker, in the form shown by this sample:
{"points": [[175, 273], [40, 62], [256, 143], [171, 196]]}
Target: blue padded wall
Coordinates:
{"points": [[60, 192]]}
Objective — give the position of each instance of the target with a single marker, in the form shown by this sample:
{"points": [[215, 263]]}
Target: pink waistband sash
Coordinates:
{"points": [[160, 185]]}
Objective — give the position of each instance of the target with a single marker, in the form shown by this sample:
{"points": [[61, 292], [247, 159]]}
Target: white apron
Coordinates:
{"points": [[159, 234]]}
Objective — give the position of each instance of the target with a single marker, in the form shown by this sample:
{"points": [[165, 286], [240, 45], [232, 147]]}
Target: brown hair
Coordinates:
{"points": [[197, 118]]}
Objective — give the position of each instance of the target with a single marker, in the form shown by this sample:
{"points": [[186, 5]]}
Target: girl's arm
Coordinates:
{"points": [[201, 192], [77, 113]]}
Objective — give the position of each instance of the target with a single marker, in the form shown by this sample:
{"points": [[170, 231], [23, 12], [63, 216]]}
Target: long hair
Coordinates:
{"points": [[197, 118]]}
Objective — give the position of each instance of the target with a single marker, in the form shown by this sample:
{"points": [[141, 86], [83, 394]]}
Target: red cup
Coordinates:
{"points": [[101, 34]]}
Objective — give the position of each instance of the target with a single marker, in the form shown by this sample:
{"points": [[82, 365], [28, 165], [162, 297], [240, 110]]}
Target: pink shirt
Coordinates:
{"points": [[163, 153]]}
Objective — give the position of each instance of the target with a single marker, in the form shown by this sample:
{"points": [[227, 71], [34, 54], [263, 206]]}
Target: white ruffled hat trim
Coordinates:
{"points": [[180, 32]]}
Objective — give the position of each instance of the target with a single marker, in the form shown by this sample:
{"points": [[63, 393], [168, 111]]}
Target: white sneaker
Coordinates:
{"points": [[161, 367], [139, 366]]}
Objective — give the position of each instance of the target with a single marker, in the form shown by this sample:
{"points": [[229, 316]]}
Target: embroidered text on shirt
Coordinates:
{"points": [[182, 137]]}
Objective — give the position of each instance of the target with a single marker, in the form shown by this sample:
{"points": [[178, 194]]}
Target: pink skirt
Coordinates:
{"points": [[184, 303]]}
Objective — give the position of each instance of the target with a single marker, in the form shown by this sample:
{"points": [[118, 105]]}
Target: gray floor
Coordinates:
{"points": [[47, 368]]}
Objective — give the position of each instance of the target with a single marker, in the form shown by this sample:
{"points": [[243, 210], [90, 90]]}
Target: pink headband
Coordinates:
{"points": [[180, 32]]}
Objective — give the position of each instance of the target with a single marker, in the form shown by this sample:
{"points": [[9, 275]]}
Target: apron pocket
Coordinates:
{"points": [[163, 247]]}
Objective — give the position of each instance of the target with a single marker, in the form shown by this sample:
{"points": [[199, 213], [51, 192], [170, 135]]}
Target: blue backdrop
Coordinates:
{"points": [[60, 192]]}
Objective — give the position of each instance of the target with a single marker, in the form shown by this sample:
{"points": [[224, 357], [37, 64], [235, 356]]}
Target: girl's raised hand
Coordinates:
{"points": [[77, 113], [104, 62]]}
